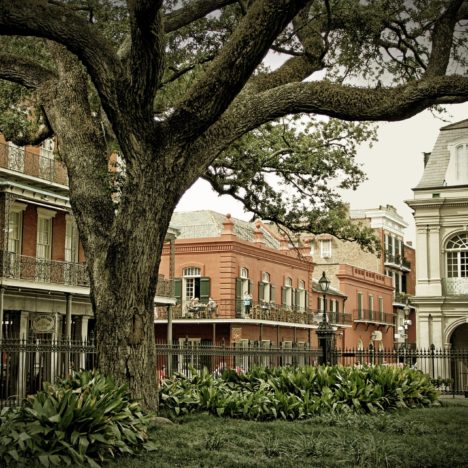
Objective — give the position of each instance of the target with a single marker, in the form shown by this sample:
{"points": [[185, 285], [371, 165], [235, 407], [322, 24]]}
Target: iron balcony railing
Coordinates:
{"points": [[373, 316], [165, 287], [40, 270], [455, 286], [397, 259], [17, 159], [230, 309]]}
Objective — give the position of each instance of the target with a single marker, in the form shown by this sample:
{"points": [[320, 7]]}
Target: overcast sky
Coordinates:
{"points": [[394, 165]]}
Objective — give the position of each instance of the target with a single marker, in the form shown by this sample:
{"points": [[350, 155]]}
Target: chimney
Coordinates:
{"points": [[228, 226], [426, 158], [258, 234]]}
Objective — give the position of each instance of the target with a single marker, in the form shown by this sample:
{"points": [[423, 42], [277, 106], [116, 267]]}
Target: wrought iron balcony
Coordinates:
{"points": [[40, 270], [396, 259], [373, 316], [235, 309], [164, 287], [19, 160], [455, 286]]}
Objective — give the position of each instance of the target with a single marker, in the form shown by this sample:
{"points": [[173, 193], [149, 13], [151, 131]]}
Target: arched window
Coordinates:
{"points": [[301, 295], [457, 256], [457, 170], [191, 282], [287, 292]]}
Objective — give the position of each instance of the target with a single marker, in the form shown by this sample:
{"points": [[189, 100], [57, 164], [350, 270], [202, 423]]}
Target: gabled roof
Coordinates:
{"points": [[207, 223]]}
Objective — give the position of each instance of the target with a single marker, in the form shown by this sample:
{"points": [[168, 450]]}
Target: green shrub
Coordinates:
{"points": [[298, 393], [82, 420]]}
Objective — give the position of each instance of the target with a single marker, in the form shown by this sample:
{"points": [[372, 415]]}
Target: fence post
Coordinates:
{"points": [[371, 354], [432, 360]]}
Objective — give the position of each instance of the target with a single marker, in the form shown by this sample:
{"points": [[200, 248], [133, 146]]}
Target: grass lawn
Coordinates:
{"points": [[434, 437]]}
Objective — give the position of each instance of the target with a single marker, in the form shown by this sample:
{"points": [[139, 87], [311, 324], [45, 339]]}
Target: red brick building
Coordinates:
{"points": [[224, 259]]}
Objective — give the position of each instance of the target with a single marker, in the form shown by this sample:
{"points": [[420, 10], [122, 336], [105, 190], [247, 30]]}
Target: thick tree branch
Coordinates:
{"points": [[333, 100], [40, 19], [442, 37], [226, 76], [191, 12], [146, 52], [24, 72]]}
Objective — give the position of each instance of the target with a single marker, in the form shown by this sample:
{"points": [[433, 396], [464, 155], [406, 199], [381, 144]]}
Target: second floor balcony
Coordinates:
{"points": [[40, 270], [373, 317], [232, 309], [26, 163], [54, 272], [397, 260]]}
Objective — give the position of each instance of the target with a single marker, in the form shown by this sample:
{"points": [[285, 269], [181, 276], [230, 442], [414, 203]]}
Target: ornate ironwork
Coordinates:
{"points": [[17, 159], [42, 270], [455, 286]]}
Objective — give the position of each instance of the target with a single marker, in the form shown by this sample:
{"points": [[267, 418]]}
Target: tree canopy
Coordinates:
{"points": [[183, 89]]}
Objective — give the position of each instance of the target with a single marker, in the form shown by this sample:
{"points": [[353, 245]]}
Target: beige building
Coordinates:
{"points": [[441, 213]]}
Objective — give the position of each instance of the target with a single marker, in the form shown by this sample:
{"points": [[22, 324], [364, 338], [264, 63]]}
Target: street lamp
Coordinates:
{"points": [[325, 331], [324, 284]]}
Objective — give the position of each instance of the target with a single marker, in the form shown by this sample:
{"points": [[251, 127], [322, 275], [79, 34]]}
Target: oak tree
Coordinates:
{"points": [[183, 90]]}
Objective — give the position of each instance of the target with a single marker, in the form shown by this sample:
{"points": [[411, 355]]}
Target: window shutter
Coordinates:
{"points": [[204, 289], [178, 289], [283, 296], [261, 288], [296, 297], [272, 293], [250, 287], [238, 297], [306, 302]]}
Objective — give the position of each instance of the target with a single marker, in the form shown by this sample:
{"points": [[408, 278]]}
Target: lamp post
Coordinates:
{"points": [[325, 331]]}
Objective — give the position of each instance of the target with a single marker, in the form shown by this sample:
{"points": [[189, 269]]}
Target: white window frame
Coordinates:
{"points": [[17, 209], [71, 240], [190, 275], [45, 215], [288, 291], [453, 175], [325, 248], [301, 295], [266, 280]]}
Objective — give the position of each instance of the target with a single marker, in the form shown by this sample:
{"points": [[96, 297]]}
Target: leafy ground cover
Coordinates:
{"points": [[426, 437], [265, 394]]}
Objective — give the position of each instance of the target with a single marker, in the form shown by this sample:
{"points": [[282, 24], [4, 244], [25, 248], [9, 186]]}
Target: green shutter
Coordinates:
{"points": [[250, 287], [178, 289], [272, 293], [283, 296], [296, 297], [204, 290], [261, 287], [307, 300], [238, 297]]}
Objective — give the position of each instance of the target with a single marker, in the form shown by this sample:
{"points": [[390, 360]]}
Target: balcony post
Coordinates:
{"points": [[68, 316], [2, 294]]}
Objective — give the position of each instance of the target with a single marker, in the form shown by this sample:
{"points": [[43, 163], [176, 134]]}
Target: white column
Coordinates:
{"points": [[434, 261], [84, 338], [22, 368], [422, 276]]}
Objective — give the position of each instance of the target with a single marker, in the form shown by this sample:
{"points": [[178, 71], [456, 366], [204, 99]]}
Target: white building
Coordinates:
{"points": [[441, 213]]}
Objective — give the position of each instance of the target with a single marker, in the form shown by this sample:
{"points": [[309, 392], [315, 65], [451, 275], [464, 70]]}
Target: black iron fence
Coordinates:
{"points": [[448, 368], [188, 356], [27, 363]]}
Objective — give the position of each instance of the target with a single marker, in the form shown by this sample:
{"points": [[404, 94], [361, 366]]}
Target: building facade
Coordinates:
{"points": [[236, 283], [440, 207]]}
